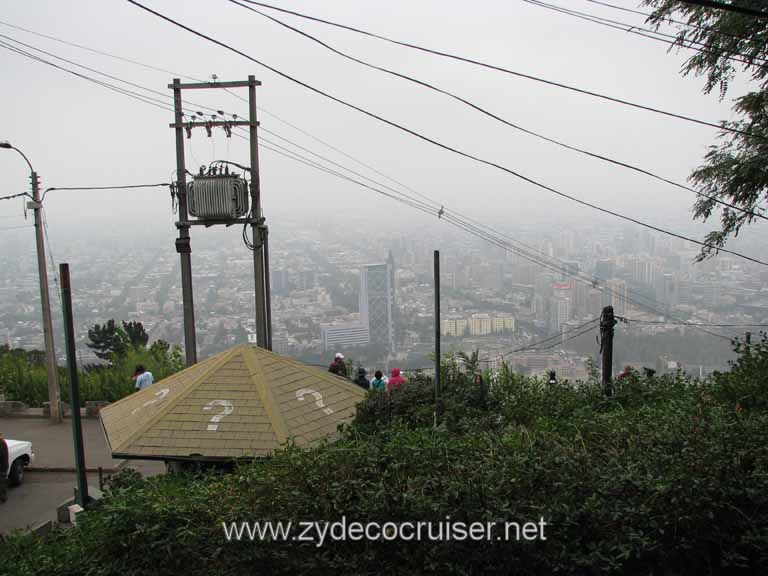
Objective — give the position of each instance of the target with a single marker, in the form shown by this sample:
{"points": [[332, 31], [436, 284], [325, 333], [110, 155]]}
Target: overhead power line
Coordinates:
{"points": [[551, 341], [17, 227], [118, 89], [102, 53], [498, 118], [123, 187], [484, 233], [673, 21], [431, 207], [669, 39], [19, 195], [707, 325], [731, 7], [719, 126], [440, 144]]}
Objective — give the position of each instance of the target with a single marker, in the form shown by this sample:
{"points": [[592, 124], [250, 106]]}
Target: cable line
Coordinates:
{"points": [[95, 51], [668, 19], [118, 89], [479, 230], [124, 187], [19, 195], [727, 7], [441, 145], [494, 116], [466, 60], [669, 39], [484, 234], [664, 323]]}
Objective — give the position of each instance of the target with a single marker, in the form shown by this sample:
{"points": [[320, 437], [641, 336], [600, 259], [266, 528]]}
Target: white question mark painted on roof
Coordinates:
{"points": [[161, 394], [318, 398], [228, 409]]}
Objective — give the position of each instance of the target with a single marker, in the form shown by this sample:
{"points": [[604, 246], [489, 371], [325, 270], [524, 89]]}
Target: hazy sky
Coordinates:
{"points": [[77, 133]]}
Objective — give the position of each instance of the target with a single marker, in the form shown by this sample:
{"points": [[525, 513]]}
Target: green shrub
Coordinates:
{"points": [[666, 477]]}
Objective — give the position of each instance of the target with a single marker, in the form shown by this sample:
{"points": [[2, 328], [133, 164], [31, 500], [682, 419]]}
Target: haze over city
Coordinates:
{"points": [[325, 230]]}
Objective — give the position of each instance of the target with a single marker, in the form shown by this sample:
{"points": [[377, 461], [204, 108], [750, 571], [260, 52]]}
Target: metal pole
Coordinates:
{"points": [[183, 246], [262, 337], [267, 287], [607, 322], [74, 384], [437, 325], [54, 394]]}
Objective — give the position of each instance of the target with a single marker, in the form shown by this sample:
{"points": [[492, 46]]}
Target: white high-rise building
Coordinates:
{"points": [[343, 335]]}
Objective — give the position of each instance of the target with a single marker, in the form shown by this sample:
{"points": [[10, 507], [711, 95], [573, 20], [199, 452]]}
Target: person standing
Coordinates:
{"points": [[379, 382], [143, 377], [361, 380], [3, 469], [395, 381], [337, 366]]}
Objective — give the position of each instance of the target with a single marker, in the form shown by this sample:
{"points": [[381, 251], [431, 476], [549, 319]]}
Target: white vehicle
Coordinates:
{"points": [[20, 456]]}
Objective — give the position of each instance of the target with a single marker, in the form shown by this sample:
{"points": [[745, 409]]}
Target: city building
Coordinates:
{"points": [[561, 306], [343, 335], [377, 302], [480, 325], [505, 323], [616, 296]]}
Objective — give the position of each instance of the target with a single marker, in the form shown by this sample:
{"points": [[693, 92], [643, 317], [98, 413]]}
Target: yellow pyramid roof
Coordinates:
{"points": [[242, 403]]}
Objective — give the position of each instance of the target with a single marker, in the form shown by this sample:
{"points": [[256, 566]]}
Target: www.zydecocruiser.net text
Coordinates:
{"points": [[343, 530]]}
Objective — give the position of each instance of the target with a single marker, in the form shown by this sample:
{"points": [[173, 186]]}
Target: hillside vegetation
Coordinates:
{"points": [[669, 476]]}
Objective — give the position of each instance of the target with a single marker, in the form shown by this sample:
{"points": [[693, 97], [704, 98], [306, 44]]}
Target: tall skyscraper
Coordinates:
{"points": [[377, 302]]}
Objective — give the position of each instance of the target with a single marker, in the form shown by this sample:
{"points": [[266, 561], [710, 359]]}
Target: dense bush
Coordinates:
{"points": [[669, 477], [23, 375]]}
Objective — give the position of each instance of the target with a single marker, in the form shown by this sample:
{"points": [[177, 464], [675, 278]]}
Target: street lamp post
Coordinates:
{"points": [[54, 395]]}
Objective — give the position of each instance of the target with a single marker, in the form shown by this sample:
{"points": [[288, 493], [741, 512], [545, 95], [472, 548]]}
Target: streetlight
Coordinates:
{"points": [[54, 395]]}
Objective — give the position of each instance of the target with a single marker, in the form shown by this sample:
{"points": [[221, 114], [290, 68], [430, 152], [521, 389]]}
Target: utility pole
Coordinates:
{"points": [[255, 219], [607, 323], [54, 395], [437, 325], [74, 385], [183, 246], [263, 336]]}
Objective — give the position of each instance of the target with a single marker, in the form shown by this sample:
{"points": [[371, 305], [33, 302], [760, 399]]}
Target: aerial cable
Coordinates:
{"points": [[441, 145], [456, 57], [498, 118]]}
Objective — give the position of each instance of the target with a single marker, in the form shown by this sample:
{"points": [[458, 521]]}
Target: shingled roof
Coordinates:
{"points": [[242, 403]]}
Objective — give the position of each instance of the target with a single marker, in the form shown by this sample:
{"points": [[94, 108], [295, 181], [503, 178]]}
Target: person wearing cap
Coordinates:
{"points": [[337, 366], [3, 469]]}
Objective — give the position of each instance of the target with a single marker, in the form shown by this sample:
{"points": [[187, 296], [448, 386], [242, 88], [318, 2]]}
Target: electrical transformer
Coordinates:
{"points": [[217, 196]]}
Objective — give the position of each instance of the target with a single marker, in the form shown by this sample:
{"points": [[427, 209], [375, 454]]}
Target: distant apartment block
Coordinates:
{"points": [[344, 335], [477, 325]]}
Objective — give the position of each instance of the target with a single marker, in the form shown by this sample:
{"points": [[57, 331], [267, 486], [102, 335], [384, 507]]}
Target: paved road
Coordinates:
{"points": [[36, 500], [53, 445]]}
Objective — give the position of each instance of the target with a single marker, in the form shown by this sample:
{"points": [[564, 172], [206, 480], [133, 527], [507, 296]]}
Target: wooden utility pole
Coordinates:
{"points": [[74, 385], [607, 323], [52, 368], [54, 394]]}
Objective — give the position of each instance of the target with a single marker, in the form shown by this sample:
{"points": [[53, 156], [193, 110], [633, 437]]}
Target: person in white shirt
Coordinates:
{"points": [[142, 377]]}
